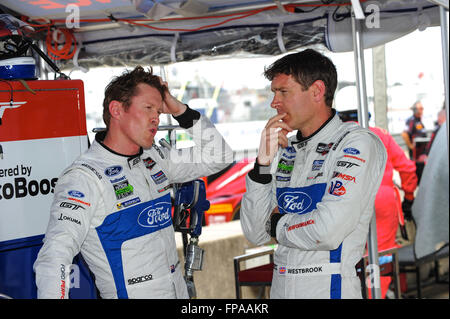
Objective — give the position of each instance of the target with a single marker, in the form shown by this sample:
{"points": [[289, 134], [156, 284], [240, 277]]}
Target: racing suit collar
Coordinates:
{"points": [[100, 136], [301, 138]]}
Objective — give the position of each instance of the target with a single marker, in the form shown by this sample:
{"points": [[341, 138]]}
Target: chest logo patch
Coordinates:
{"points": [[155, 216], [294, 202]]}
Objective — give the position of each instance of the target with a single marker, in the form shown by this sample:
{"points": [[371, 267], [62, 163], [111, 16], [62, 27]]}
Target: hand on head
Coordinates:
{"points": [[170, 104]]}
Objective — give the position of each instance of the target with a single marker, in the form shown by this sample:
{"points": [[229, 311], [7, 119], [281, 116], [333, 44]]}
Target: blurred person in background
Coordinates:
{"points": [[413, 132], [441, 118]]}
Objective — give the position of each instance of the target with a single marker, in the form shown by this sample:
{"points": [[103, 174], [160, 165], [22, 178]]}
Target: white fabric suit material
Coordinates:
{"points": [[116, 210], [325, 187]]}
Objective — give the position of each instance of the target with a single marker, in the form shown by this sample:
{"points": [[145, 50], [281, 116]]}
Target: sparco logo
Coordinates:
{"points": [[140, 279], [294, 202], [155, 216]]}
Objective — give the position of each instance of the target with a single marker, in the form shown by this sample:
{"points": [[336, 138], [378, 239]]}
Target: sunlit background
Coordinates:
{"points": [[234, 94]]}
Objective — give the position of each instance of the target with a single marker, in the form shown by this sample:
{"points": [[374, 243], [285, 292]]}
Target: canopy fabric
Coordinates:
{"points": [[120, 32]]}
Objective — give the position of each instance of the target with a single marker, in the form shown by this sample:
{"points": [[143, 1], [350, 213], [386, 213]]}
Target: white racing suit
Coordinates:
{"points": [[116, 210], [325, 187]]}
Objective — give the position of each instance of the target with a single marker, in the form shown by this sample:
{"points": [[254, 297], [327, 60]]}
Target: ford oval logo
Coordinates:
{"points": [[351, 150], [77, 194], [113, 170], [155, 215], [294, 202]]}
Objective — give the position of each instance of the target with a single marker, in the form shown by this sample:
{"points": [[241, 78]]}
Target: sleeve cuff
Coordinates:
{"points": [[260, 174], [274, 219], [186, 120]]}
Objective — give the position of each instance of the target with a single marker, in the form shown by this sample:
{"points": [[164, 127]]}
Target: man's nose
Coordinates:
{"points": [[275, 103], [155, 119]]}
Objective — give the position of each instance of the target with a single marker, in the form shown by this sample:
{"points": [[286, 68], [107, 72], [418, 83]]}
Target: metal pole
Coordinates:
{"points": [[380, 87], [444, 39], [363, 118], [171, 132], [43, 72]]}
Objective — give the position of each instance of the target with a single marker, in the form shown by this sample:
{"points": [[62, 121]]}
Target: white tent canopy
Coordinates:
{"points": [[129, 32]]}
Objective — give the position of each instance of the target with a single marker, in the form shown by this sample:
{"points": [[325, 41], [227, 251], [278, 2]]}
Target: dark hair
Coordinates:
{"points": [[124, 87], [350, 115], [307, 67], [414, 107]]}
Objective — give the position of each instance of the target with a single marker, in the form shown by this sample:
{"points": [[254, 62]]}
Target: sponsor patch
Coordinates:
{"points": [[352, 151], [133, 161], [149, 163], [288, 156], [128, 203], [337, 188], [346, 164], [76, 194], [290, 149], [157, 215], [302, 224], [314, 177], [123, 189], [113, 170], [302, 144], [283, 178], [70, 219], [294, 202], [323, 148], [317, 165], [140, 279], [70, 206], [159, 177], [345, 177], [164, 188], [92, 170], [289, 152], [302, 200], [285, 166], [119, 179]]}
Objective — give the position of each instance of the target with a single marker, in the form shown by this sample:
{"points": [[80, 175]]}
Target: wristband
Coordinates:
{"points": [[271, 225]]}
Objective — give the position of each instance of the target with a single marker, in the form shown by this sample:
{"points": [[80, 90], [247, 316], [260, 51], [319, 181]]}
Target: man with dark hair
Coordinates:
{"points": [[113, 203], [413, 132], [313, 192]]}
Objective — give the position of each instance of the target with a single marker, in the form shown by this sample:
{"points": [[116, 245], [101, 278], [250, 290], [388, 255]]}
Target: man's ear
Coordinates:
{"points": [[115, 109], [318, 88]]}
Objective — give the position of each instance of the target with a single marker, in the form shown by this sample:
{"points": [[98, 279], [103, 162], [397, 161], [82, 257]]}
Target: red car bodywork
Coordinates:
{"points": [[225, 192]]}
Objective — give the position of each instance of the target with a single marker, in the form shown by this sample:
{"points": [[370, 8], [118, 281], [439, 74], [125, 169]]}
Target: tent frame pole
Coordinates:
{"points": [[363, 118], [444, 40]]}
